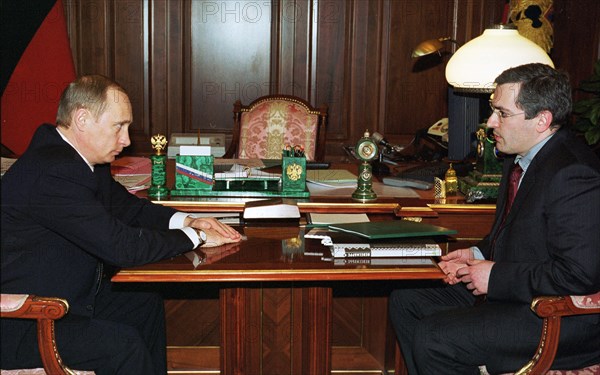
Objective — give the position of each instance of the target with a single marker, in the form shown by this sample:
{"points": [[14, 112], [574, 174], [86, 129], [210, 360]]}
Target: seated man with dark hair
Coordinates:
{"points": [[546, 243], [65, 220]]}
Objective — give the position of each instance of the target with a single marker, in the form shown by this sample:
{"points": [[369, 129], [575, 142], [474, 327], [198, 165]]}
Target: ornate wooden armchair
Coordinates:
{"points": [[552, 309], [45, 311], [264, 127]]}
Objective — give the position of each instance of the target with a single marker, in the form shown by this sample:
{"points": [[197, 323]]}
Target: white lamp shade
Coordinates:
{"points": [[475, 65]]}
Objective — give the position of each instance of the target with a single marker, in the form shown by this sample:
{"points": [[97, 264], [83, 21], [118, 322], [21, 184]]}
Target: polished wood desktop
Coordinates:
{"points": [[272, 253], [266, 307]]}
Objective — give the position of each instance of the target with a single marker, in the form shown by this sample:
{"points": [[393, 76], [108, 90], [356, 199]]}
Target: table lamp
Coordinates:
{"points": [[474, 66]]}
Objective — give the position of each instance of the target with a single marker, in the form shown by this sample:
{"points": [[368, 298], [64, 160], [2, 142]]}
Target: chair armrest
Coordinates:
{"points": [[27, 306], [566, 305], [552, 309], [45, 310]]}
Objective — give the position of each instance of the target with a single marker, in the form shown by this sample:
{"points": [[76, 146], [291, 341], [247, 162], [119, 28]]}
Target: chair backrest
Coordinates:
{"points": [[264, 127]]}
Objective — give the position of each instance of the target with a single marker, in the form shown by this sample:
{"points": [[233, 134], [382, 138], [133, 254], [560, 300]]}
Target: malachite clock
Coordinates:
{"points": [[366, 152]]}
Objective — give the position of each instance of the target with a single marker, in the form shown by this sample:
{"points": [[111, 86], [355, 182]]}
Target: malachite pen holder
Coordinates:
{"points": [[293, 174]]}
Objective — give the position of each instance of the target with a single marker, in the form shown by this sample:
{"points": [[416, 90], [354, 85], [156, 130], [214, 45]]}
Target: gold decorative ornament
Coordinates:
{"points": [[159, 143], [481, 136], [532, 20], [451, 181], [294, 171]]}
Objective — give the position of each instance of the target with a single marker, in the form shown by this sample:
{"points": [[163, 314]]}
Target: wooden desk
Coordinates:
{"points": [[264, 314], [251, 334]]}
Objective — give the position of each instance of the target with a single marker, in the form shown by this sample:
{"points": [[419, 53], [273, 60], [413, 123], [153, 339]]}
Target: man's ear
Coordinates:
{"points": [[81, 117], [544, 120]]}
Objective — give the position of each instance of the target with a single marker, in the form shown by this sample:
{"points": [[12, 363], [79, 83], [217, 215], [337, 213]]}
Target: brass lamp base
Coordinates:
{"points": [[483, 182], [478, 186]]}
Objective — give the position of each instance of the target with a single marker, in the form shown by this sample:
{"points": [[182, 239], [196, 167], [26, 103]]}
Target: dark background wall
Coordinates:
{"points": [[184, 62]]}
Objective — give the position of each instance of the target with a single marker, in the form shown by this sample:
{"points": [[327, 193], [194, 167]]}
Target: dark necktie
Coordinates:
{"points": [[513, 185]]}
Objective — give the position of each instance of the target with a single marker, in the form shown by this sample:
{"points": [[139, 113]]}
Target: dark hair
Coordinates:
{"points": [[89, 92], [542, 88]]}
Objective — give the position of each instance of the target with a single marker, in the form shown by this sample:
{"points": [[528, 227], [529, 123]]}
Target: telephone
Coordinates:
{"points": [[440, 129], [431, 143]]}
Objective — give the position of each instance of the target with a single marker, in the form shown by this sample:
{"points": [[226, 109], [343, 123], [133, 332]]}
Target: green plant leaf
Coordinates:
{"points": [[592, 136], [597, 68], [595, 115], [582, 124], [585, 105], [587, 110], [590, 86]]}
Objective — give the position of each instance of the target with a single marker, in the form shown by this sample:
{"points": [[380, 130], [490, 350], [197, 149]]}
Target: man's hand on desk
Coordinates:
{"points": [[214, 238], [217, 233]]}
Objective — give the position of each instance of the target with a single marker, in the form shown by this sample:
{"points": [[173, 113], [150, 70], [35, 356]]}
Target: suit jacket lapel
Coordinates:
{"points": [[528, 181]]}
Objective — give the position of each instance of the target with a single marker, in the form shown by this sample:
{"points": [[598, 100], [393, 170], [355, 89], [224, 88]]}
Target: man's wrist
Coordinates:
{"points": [[201, 236]]}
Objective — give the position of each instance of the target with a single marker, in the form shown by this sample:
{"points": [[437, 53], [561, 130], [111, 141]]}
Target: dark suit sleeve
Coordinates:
{"points": [[553, 246], [129, 208], [102, 218]]}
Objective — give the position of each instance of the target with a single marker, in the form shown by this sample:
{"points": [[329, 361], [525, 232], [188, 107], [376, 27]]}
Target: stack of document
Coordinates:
{"points": [[389, 250], [387, 239], [132, 172], [319, 219], [331, 177]]}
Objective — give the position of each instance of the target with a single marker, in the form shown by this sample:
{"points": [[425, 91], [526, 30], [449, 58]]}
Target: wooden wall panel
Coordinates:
{"points": [[130, 64], [576, 38], [165, 72], [184, 62], [415, 97], [229, 61], [332, 71]]}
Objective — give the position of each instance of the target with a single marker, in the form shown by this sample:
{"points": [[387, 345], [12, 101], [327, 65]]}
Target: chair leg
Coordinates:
{"points": [[53, 364]]}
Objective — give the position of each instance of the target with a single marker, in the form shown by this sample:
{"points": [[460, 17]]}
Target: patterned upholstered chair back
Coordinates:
{"points": [[263, 128]]}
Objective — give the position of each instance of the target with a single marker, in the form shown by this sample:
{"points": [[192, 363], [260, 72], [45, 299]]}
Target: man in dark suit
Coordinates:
{"points": [[546, 243], [65, 221]]}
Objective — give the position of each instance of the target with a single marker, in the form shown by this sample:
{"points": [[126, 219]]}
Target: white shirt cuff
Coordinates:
{"points": [[192, 234], [477, 253], [177, 220]]}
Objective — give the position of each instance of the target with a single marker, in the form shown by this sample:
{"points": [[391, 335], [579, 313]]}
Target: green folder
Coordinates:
{"points": [[392, 229]]}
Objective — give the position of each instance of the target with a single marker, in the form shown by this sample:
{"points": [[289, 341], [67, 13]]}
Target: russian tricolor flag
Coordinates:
{"points": [[194, 174], [37, 65]]}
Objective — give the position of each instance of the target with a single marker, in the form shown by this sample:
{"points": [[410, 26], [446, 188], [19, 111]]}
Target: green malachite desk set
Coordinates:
{"points": [[195, 176]]}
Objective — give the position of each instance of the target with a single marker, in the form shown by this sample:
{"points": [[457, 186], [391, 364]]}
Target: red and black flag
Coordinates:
{"points": [[36, 67]]}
